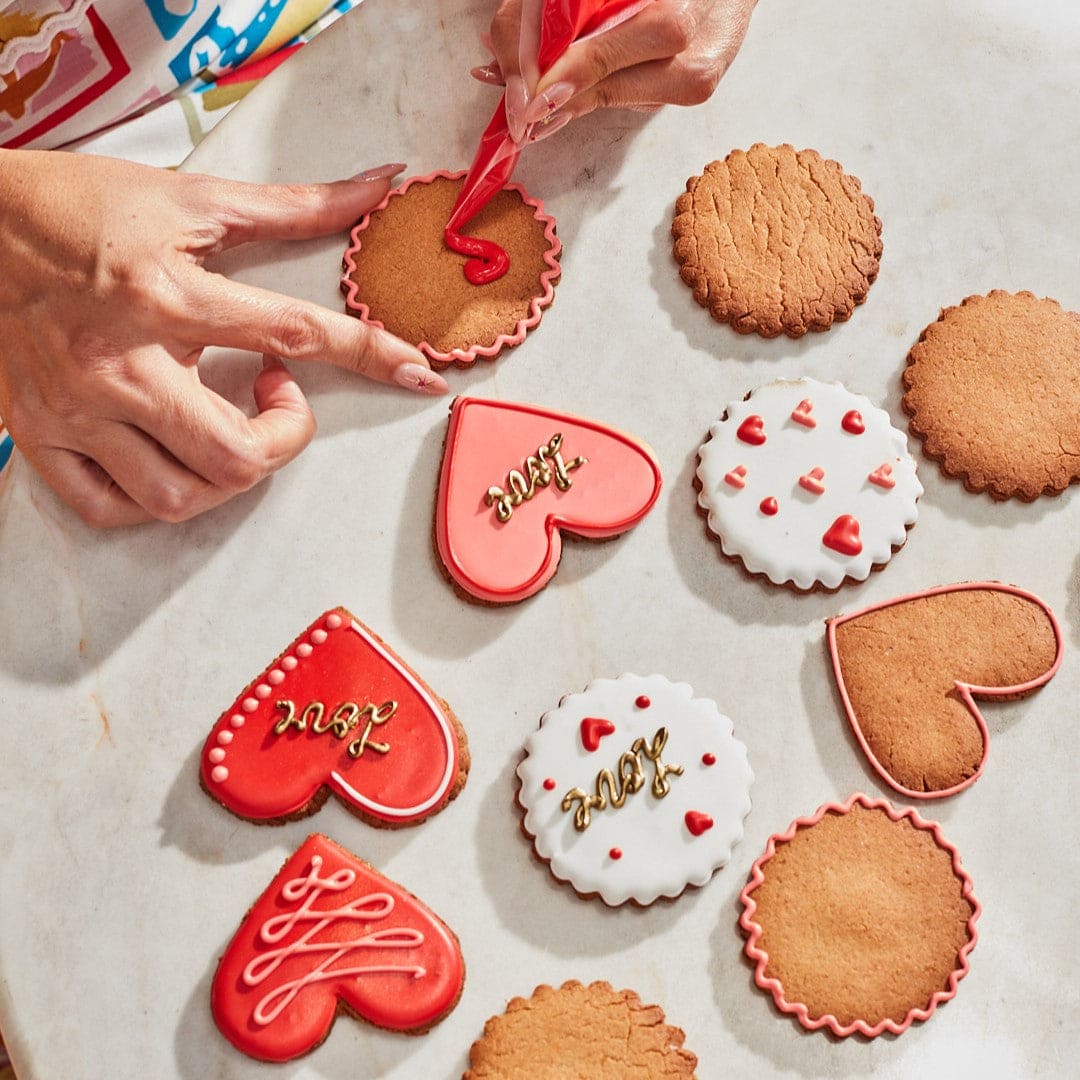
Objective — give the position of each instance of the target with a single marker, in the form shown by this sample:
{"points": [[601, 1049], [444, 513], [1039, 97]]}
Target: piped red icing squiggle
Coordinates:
{"points": [[330, 932]]}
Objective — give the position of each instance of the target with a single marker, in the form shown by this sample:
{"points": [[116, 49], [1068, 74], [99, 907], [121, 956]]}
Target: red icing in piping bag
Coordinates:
{"points": [[562, 23]]}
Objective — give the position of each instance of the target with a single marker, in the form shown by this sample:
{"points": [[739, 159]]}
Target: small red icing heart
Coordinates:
{"points": [[337, 709], [737, 477], [812, 481], [752, 430], [853, 422], [768, 506], [329, 928], [593, 729], [801, 413], [843, 536], [882, 476], [697, 822]]}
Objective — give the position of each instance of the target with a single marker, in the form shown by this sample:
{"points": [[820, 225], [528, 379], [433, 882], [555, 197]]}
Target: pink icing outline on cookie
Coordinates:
{"points": [[761, 958], [967, 691], [548, 277]]}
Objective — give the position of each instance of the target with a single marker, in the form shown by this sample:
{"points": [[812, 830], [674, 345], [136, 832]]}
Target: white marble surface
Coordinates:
{"points": [[121, 882]]}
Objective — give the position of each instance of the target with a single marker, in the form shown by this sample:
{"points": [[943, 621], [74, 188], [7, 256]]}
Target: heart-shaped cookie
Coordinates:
{"points": [[514, 475], [909, 671], [337, 711], [330, 935]]}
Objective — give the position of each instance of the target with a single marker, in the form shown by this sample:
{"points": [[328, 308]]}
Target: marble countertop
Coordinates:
{"points": [[121, 882]]}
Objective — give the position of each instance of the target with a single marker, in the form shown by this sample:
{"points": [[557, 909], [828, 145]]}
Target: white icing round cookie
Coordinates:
{"points": [[634, 789], [807, 482]]}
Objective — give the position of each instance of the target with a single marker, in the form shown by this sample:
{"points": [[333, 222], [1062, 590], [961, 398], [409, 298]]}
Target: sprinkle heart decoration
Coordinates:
{"points": [[337, 711], [697, 822], [909, 671], [752, 430], [331, 934], [843, 536], [813, 481], [593, 729], [502, 503]]}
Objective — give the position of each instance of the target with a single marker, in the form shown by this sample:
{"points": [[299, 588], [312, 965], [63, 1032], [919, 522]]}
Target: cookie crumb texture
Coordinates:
{"points": [[993, 390], [775, 240], [414, 285], [580, 1032], [863, 918]]}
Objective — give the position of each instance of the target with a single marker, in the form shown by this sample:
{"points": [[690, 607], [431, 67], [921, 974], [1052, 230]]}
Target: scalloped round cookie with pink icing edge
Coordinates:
{"points": [[634, 789], [807, 484]]}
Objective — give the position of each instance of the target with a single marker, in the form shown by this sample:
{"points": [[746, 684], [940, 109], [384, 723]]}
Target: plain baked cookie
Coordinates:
{"points": [[993, 389], [860, 918], [775, 240], [580, 1032]]}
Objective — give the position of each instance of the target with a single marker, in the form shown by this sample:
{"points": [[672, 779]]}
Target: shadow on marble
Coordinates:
{"points": [[1071, 615]]}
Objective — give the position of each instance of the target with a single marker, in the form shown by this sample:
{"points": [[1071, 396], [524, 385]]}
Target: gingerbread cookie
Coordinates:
{"points": [[337, 711], [993, 390], [399, 274], [807, 484], [909, 670], [775, 240], [514, 477], [580, 1031], [331, 935], [634, 789], [860, 918]]}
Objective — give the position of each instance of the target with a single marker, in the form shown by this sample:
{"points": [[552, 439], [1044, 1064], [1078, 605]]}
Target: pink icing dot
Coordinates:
{"points": [[220, 774], [288, 663], [615, 853], [549, 784], [249, 704], [262, 691], [304, 649], [216, 755], [236, 720], [333, 621], [224, 737], [318, 636], [275, 677]]}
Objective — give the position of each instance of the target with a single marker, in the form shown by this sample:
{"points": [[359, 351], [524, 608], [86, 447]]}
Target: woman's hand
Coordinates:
{"points": [[105, 309], [671, 52]]}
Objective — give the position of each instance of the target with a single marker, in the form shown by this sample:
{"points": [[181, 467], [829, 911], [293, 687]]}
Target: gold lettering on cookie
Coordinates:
{"points": [[538, 470], [344, 719], [611, 789]]}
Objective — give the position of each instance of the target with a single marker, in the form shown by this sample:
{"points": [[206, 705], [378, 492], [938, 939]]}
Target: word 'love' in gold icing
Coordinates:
{"points": [[538, 470], [339, 723]]}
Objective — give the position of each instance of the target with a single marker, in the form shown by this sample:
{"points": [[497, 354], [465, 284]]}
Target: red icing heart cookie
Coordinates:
{"points": [[332, 935], [337, 711], [909, 671], [514, 475]]}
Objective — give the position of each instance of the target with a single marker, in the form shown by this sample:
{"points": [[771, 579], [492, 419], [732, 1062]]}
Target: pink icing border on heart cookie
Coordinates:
{"points": [[761, 958], [547, 281], [967, 691]]}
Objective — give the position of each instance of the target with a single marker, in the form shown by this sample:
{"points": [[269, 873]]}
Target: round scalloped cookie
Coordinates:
{"points": [[775, 240], [807, 484], [859, 918], [400, 275], [993, 390], [634, 789], [580, 1031]]}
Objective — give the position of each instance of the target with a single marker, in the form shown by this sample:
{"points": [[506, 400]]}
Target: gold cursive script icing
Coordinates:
{"points": [[538, 470], [339, 723], [629, 778]]}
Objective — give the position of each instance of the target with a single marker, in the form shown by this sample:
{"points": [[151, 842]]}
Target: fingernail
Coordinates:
{"points": [[548, 127], [489, 73], [420, 379], [517, 101], [383, 172], [545, 103]]}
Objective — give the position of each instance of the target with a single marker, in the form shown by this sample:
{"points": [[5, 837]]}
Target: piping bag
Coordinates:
{"points": [[548, 29]]}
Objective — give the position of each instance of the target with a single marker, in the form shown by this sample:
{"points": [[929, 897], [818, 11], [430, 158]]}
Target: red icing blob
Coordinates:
{"points": [[697, 822], [843, 535], [708, 759], [853, 422], [615, 853], [812, 481], [549, 784], [752, 430], [487, 261], [737, 477], [882, 476], [768, 506], [801, 413], [593, 729], [642, 702]]}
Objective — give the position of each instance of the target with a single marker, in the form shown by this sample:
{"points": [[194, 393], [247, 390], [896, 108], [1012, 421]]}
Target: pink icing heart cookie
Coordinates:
{"points": [[337, 711], [909, 671], [654, 805], [826, 489], [331, 935], [515, 476]]}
